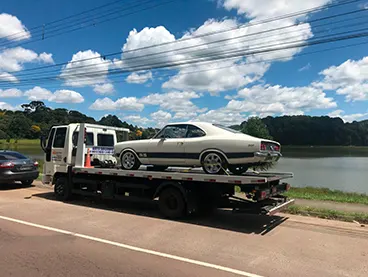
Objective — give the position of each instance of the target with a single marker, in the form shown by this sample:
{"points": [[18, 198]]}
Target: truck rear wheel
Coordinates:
{"points": [[172, 203], [62, 189]]}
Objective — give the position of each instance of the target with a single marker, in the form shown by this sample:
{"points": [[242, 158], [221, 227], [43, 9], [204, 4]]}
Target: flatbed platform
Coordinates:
{"points": [[188, 174]]}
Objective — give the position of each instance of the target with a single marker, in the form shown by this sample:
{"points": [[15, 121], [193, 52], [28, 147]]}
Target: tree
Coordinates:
{"points": [[255, 127]]}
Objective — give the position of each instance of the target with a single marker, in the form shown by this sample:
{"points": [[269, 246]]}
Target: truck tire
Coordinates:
{"points": [[62, 189], [172, 203]]}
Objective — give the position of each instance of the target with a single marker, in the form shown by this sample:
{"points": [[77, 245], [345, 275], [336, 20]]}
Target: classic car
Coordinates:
{"points": [[214, 147]]}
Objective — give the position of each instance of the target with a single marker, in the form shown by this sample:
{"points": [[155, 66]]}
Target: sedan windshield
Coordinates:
{"points": [[226, 128]]}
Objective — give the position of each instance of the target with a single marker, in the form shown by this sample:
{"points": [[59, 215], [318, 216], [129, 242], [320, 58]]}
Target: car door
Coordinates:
{"points": [[193, 144], [167, 148]]}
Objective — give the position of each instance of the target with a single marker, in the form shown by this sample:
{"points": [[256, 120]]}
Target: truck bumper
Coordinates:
{"points": [[280, 207]]}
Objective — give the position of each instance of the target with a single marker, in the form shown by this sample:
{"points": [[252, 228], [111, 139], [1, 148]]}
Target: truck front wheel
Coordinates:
{"points": [[172, 203], [62, 189]]}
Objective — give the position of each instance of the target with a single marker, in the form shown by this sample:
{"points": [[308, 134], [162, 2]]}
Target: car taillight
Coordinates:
{"points": [[276, 148], [263, 146], [35, 163], [7, 165]]}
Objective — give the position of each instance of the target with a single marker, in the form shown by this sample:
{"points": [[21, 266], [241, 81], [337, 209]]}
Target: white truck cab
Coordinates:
{"points": [[63, 141]]}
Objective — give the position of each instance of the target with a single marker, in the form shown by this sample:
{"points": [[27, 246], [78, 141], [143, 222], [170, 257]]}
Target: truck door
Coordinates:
{"points": [[55, 152]]}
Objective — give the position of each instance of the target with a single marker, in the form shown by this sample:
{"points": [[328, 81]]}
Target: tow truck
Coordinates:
{"points": [[179, 191]]}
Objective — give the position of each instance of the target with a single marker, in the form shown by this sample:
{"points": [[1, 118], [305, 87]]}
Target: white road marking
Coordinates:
{"points": [[134, 248]]}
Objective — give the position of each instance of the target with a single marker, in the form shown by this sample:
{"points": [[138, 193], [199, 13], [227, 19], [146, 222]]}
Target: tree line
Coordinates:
{"points": [[36, 119]]}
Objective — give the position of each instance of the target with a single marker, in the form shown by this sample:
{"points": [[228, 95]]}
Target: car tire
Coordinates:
{"points": [[213, 163], [238, 169], [171, 203], [62, 189], [27, 183], [129, 161]]}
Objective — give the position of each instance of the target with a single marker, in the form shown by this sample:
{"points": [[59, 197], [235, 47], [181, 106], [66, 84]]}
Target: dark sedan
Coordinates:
{"points": [[16, 167]]}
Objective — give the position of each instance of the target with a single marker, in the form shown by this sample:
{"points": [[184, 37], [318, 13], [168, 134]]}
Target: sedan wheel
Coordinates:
{"points": [[129, 161], [213, 163]]}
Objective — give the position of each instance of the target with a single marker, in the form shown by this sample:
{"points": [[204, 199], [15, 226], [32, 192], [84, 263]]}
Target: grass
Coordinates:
{"points": [[324, 194], [23, 142], [328, 214]]}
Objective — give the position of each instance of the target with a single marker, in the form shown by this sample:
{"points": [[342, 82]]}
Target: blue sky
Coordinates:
{"points": [[333, 82]]}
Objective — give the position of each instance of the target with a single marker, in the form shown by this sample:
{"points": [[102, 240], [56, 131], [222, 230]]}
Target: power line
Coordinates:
{"points": [[224, 40], [55, 32], [226, 56], [62, 19], [234, 65], [290, 15]]}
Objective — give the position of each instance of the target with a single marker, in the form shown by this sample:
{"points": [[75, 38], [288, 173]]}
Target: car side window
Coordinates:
{"points": [[195, 132], [173, 131]]}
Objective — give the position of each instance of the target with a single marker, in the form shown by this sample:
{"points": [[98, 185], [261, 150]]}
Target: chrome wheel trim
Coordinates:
{"points": [[212, 163], [128, 160]]}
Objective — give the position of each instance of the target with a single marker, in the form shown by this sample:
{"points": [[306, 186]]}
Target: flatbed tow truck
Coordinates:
{"points": [[179, 191]]}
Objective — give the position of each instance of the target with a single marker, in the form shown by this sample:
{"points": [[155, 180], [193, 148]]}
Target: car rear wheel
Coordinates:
{"points": [[27, 183], [238, 169], [129, 161], [214, 163]]}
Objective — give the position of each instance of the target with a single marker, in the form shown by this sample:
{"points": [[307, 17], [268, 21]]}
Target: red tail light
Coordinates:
{"points": [[263, 146], [35, 163], [276, 148], [7, 165]]}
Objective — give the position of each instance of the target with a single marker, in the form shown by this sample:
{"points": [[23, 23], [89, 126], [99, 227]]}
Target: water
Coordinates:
{"points": [[339, 168]]}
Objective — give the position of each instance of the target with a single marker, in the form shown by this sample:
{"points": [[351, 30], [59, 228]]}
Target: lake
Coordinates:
{"points": [[342, 168]]}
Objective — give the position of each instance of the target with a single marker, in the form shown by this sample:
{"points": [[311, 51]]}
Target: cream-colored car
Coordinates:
{"points": [[213, 147]]}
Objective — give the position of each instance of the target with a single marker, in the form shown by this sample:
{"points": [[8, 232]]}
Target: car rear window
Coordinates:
{"points": [[12, 156]]}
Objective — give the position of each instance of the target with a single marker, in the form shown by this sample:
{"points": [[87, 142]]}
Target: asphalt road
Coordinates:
{"points": [[40, 236]]}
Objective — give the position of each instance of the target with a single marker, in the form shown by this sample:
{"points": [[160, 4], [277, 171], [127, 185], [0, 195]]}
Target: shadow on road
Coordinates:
{"points": [[13, 186], [221, 219]]}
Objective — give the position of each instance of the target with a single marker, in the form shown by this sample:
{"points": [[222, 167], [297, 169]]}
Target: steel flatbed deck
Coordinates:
{"points": [[182, 174]]}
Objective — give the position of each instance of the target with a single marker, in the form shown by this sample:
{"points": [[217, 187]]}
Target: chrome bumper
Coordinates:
{"points": [[268, 155]]}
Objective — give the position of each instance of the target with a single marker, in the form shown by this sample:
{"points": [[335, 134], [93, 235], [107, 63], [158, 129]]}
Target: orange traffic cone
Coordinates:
{"points": [[88, 160]]}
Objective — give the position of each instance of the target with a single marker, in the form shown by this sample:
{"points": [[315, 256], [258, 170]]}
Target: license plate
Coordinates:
{"points": [[26, 168]]}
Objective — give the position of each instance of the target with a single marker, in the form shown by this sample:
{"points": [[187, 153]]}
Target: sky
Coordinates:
{"points": [[322, 79]]}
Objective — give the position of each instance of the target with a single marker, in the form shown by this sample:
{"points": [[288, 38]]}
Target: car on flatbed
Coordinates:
{"points": [[15, 166], [193, 144]]}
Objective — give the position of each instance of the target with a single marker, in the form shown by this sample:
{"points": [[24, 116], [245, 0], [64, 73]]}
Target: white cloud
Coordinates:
{"points": [[37, 93], [349, 78], [348, 117], [12, 59], [178, 102], [12, 92], [271, 8], [139, 78], [66, 96], [46, 57], [85, 68], [104, 89], [6, 106], [125, 103], [222, 116], [12, 28], [161, 118], [59, 96], [304, 68], [137, 119], [280, 100], [5, 76]]}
